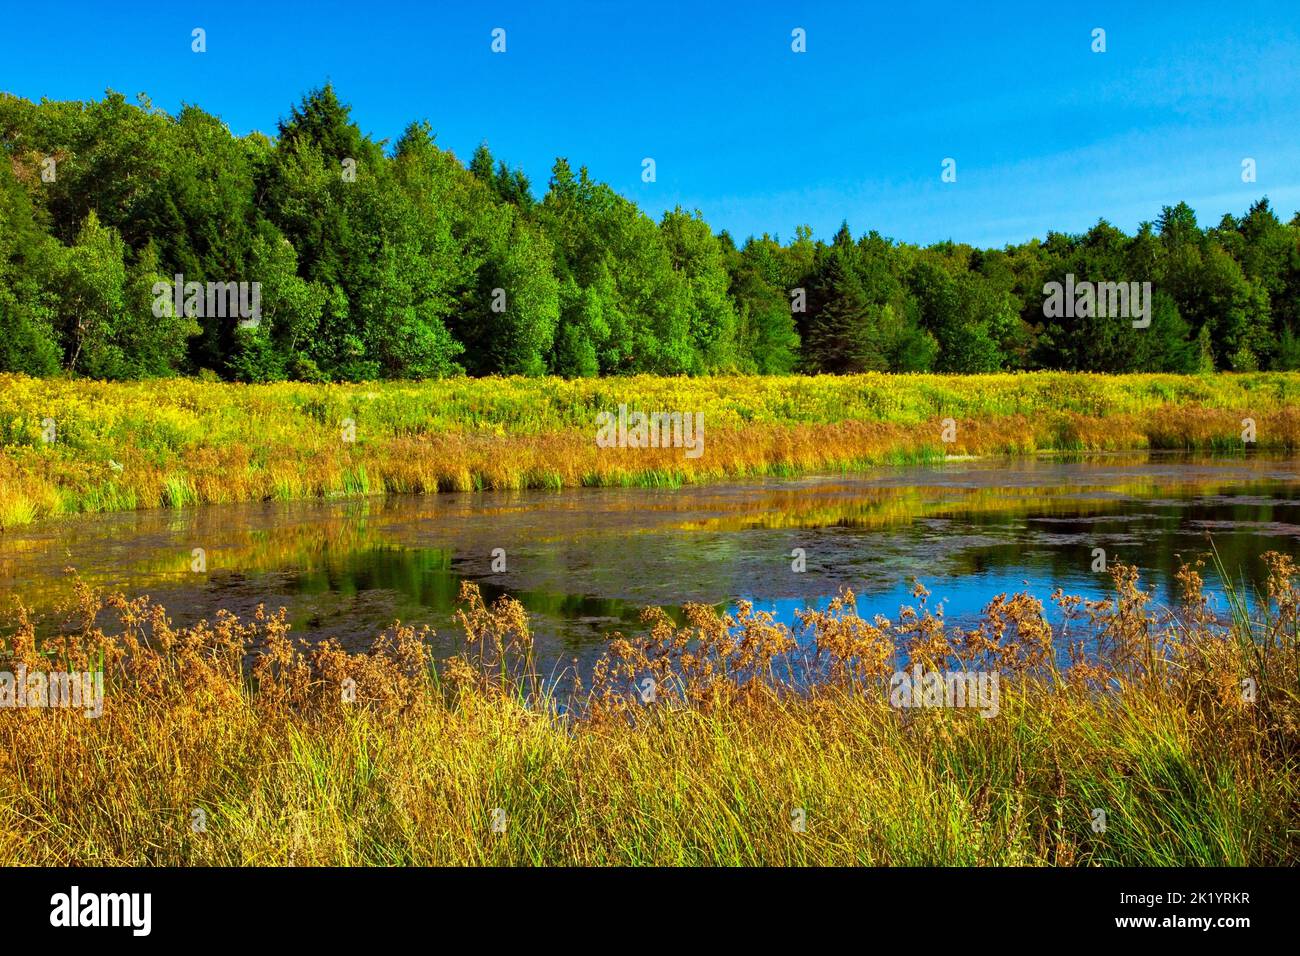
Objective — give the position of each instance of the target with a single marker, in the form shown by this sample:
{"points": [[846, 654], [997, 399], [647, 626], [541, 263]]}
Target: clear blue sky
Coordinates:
{"points": [[1046, 134]]}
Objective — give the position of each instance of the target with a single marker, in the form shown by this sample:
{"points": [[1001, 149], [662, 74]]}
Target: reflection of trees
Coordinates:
{"points": [[699, 535], [1167, 541]]}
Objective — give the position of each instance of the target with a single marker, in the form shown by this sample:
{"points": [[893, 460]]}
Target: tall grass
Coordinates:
{"points": [[179, 442], [737, 746]]}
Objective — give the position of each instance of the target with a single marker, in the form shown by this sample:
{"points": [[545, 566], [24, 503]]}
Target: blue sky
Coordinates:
{"points": [[1046, 133]]}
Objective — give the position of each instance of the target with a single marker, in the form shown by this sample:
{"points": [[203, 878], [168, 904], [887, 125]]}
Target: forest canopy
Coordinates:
{"points": [[378, 261]]}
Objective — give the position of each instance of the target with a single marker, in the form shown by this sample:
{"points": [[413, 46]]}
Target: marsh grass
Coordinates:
{"points": [[238, 719], [181, 442]]}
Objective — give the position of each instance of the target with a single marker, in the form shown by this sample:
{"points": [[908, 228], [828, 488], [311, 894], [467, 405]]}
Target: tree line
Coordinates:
{"points": [[401, 262]]}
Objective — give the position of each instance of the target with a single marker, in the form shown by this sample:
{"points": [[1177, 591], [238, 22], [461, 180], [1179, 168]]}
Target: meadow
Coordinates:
{"points": [[1172, 740], [71, 446], [1175, 744]]}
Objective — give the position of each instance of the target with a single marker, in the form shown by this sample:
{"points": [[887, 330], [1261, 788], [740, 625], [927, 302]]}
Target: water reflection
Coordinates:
{"points": [[584, 561]]}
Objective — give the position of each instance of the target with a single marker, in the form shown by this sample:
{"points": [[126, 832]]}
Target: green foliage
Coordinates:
{"points": [[28, 341], [90, 299], [407, 263], [699, 259], [766, 338]]}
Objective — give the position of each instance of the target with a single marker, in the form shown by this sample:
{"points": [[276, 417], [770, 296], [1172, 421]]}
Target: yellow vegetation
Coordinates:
{"points": [[177, 442], [759, 746]]}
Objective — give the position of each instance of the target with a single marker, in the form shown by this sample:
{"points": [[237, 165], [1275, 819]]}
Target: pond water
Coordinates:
{"points": [[584, 561]]}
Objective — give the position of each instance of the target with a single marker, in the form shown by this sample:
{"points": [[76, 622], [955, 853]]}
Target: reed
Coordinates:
{"points": [[179, 442], [237, 725]]}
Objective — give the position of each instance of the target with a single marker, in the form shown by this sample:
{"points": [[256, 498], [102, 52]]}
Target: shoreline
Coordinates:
{"points": [[399, 759], [75, 447]]}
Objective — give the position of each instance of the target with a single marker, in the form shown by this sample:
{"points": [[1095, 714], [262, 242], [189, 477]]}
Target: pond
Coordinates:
{"points": [[585, 561]]}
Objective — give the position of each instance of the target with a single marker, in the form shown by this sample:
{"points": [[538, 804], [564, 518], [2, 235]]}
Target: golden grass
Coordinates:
{"points": [[177, 442], [1153, 729]]}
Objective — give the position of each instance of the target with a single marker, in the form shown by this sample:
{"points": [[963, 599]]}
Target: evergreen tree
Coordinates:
{"points": [[413, 264]]}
